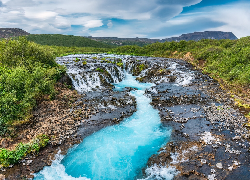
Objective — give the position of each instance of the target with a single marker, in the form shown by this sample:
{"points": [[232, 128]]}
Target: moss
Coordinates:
{"points": [[77, 60], [100, 70], [120, 64]]}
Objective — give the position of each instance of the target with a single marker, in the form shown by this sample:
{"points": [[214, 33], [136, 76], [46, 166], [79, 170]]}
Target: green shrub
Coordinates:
{"points": [[10, 157], [27, 72]]}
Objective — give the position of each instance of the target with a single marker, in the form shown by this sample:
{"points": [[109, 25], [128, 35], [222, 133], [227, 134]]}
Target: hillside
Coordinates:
{"points": [[196, 36], [65, 40], [12, 32]]}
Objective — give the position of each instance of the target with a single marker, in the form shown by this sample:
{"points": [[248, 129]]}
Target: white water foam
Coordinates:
{"points": [[207, 137], [88, 79], [183, 78], [160, 173], [56, 171]]}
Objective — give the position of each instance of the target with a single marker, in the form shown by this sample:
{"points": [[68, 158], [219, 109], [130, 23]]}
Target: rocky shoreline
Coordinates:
{"points": [[208, 139], [67, 120]]}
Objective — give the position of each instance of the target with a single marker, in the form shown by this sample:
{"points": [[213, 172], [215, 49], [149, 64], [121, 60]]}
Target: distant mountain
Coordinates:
{"points": [[89, 41], [65, 40], [196, 36], [12, 32]]}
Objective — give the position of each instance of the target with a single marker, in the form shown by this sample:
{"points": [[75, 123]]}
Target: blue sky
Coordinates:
{"points": [[126, 18]]}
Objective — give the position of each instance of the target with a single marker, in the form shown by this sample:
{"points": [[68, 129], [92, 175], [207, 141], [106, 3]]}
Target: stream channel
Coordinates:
{"points": [[184, 126], [119, 151]]}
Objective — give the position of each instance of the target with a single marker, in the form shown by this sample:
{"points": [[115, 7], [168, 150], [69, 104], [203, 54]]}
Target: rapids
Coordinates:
{"points": [[119, 151]]}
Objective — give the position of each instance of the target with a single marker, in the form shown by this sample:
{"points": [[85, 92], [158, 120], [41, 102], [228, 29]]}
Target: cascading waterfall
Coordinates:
{"points": [[119, 151], [90, 76]]}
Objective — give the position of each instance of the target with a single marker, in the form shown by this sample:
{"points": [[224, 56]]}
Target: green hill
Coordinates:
{"points": [[65, 40]]}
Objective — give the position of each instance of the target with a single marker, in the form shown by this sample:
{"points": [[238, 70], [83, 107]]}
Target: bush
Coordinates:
{"points": [[10, 157], [27, 72]]}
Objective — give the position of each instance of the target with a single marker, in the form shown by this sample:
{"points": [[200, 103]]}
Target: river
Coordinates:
{"points": [[119, 151]]}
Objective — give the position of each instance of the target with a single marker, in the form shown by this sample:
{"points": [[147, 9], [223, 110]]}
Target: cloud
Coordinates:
{"points": [[130, 18], [178, 2], [236, 18], [93, 23], [58, 15], [110, 24], [39, 15]]}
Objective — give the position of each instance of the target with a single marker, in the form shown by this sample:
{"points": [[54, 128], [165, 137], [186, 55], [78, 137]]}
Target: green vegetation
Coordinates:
{"points": [[119, 64], [65, 40], [28, 71], [142, 67], [10, 157], [124, 42], [99, 69], [77, 60], [64, 51]]}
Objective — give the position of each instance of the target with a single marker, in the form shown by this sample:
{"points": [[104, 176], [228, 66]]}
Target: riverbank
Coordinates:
{"points": [[52, 118], [67, 120], [226, 61], [208, 138]]}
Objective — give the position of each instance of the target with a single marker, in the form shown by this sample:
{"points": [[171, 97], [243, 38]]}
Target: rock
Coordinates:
{"points": [[203, 161], [246, 136], [236, 138], [4, 143], [172, 78], [2, 177], [219, 165]]}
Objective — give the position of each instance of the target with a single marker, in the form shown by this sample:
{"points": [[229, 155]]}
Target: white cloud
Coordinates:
{"points": [[93, 23], [236, 18], [35, 14], [153, 18], [40, 15], [110, 24]]}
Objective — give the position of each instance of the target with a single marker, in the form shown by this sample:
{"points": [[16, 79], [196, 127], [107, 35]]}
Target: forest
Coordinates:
{"points": [[65, 40]]}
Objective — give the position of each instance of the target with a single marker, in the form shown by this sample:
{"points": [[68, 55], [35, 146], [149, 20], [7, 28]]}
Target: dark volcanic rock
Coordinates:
{"points": [[12, 32], [208, 139]]}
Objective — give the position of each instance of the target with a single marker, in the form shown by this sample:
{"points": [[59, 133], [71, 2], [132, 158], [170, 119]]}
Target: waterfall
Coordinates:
{"points": [[91, 72]]}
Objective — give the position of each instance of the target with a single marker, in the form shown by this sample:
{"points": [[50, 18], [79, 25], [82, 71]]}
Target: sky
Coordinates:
{"points": [[126, 18]]}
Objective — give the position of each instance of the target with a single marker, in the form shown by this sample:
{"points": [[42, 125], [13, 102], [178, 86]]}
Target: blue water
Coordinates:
{"points": [[115, 152]]}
